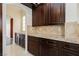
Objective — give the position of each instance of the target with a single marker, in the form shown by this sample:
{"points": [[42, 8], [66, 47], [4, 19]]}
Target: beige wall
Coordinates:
{"points": [[16, 13], [72, 20], [71, 12]]}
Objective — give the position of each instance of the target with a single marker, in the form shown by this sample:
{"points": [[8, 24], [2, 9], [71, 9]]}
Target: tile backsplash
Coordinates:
{"points": [[70, 29], [47, 30]]}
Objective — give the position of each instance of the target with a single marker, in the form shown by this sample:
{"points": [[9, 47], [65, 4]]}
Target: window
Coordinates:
{"points": [[23, 23]]}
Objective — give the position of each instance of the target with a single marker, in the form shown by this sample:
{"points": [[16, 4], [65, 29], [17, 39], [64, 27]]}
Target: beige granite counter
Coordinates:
{"points": [[47, 36], [59, 38]]}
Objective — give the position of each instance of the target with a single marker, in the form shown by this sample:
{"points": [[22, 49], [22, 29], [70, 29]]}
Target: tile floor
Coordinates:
{"points": [[16, 50]]}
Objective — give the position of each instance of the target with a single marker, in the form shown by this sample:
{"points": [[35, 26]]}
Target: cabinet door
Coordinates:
{"points": [[71, 49], [55, 48], [33, 45], [44, 47], [34, 17], [53, 51], [67, 52], [52, 48], [56, 15], [62, 13], [22, 40], [17, 38], [46, 14], [38, 16]]}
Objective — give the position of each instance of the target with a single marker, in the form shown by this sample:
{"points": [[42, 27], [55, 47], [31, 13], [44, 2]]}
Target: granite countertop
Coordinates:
{"points": [[73, 39], [59, 38]]}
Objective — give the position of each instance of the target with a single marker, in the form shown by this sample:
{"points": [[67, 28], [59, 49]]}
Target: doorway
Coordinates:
{"points": [[11, 30]]}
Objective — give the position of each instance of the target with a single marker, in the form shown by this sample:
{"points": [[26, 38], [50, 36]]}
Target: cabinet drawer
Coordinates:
{"points": [[70, 53], [71, 46], [52, 43]]}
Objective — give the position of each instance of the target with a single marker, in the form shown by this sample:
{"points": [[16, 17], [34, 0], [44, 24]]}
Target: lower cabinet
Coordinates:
{"points": [[46, 47], [69, 53], [43, 47], [17, 38], [71, 49], [50, 47], [33, 46], [20, 39]]}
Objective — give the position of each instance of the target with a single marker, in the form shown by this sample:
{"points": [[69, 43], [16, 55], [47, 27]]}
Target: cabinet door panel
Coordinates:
{"points": [[57, 14], [17, 38], [46, 14], [34, 17], [33, 45], [38, 16], [22, 40], [52, 51], [72, 47], [41, 15], [69, 53], [62, 13], [44, 47]]}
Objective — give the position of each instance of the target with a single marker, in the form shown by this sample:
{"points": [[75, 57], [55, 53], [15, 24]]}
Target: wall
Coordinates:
{"points": [[71, 12], [77, 27], [16, 13], [72, 20]]}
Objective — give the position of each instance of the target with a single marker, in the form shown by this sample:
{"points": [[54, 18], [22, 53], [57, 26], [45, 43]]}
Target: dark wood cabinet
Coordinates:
{"points": [[57, 13], [48, 14], [33, 45], [20, 39], [46, 47], [17, 38], [71, 49], [1, 31], [55, 48], [67, 52], [38, 16]]}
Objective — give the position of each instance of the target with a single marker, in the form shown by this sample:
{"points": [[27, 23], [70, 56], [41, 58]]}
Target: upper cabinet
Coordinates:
{"points": [[48, 14]]}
